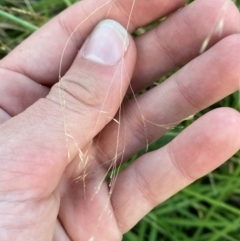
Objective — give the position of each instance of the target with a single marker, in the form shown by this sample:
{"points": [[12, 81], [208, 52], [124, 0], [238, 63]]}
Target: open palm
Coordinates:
{"points": [[52, 181]]}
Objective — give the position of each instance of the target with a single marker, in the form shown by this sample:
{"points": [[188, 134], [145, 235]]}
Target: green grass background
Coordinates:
{"points": [[208, 210]]}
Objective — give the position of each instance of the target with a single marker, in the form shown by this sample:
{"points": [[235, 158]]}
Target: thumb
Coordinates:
{"points": [[93, 88], [90, 95]]}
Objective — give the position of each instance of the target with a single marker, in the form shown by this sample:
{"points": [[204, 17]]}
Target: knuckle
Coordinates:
{"points": [[79, 91], [68, 27], [188, 96], [165, 46], [179, 165], [61, 20], [125, 13], [144, 186], [135, 124]]}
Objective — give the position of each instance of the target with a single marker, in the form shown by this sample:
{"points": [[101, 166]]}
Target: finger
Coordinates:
{"points": [[18, 92], [199, 84], [180, 38], [156, 176], [36, 157], [39, 56]]}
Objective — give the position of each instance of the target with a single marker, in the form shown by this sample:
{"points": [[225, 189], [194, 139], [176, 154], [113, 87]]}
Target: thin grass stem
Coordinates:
{"points": [[18, 21]]}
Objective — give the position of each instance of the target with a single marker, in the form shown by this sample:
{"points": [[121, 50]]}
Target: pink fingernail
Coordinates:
{"points": [[107, 43]]}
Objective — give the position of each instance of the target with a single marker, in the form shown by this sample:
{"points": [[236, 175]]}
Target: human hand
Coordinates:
{"points": [[52, 192]]}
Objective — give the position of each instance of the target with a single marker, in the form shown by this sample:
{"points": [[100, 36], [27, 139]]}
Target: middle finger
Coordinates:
{"points": [[178, 40], [204, 81]]}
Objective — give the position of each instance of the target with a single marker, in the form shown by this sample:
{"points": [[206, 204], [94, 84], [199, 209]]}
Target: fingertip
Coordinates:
{"points": [[224, 123], [208, 142]]}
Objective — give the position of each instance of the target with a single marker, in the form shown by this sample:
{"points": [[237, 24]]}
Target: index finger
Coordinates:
{"points": [[39, 56]]}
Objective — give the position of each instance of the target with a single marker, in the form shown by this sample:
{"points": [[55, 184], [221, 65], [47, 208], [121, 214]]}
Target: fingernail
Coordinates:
{"points": [[107, 43]]}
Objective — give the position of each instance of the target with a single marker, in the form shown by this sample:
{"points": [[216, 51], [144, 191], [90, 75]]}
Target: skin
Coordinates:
{"points": [[39, 199]]}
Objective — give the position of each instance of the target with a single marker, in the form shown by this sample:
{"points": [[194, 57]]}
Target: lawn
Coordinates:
{"points": [[209, 209]]}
